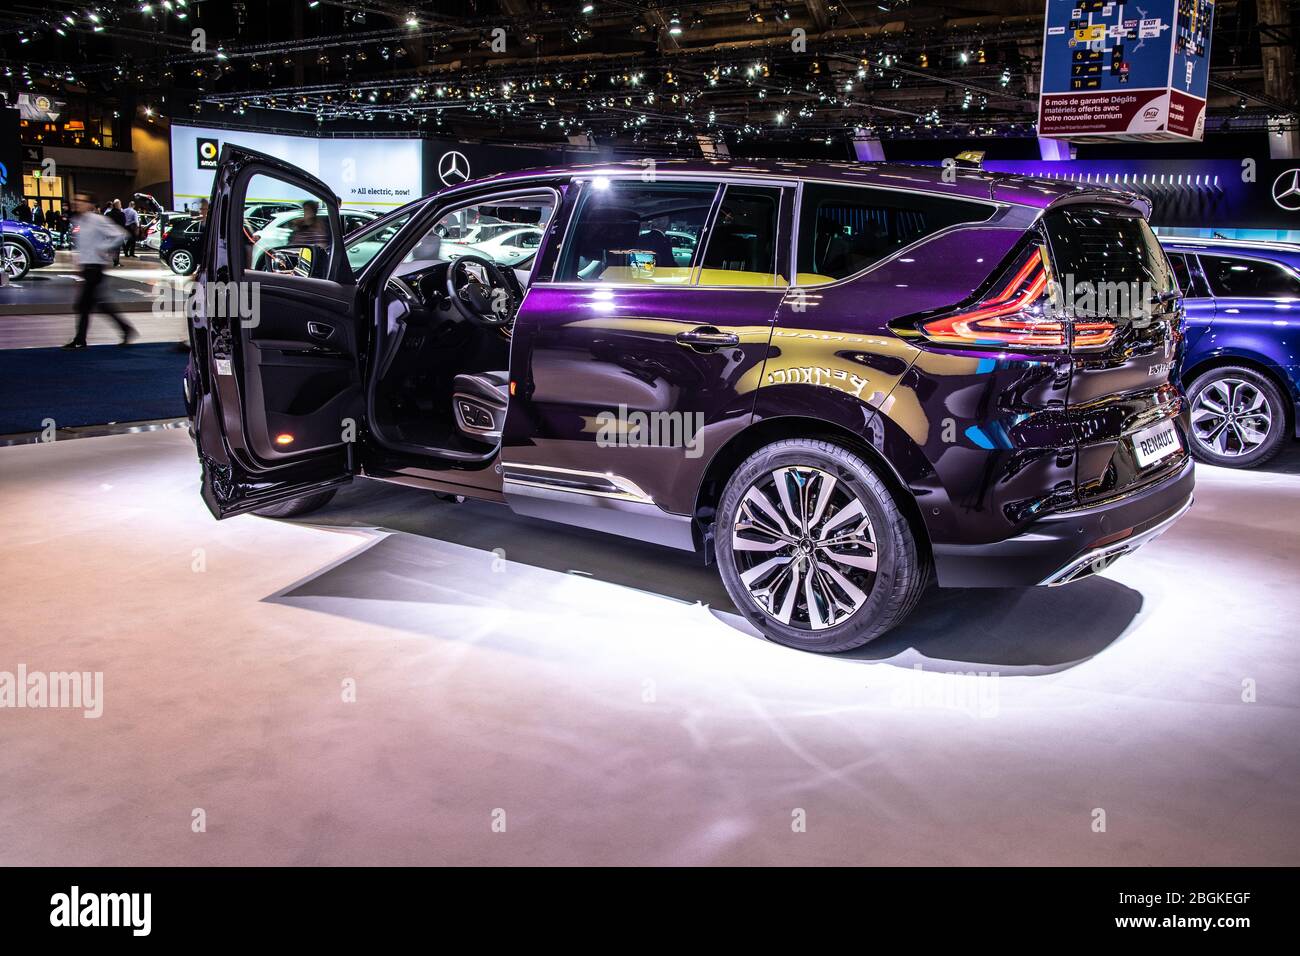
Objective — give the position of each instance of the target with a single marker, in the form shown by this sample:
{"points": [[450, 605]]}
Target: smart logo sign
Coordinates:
{"points": [[1125, 71], [366, 173], [207, 151]]}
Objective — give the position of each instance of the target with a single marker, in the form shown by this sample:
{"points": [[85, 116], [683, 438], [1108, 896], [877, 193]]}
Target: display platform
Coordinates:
{"points": [[103, 383], [131, 286], [379, 684]]}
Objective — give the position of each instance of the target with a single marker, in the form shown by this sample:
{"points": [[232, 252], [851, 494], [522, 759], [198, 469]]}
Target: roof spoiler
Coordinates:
{"points": [[1109, 197]]}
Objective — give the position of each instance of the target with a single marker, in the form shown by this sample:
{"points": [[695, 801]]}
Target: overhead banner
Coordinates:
{"points": [[1125, 71], [365, 173]]}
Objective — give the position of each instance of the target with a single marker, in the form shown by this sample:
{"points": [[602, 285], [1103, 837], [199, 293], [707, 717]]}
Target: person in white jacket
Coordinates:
{"points": [[98, 239]]}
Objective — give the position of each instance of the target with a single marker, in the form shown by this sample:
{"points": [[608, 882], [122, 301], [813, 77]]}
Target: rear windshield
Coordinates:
{"points": [[1096, 247]]}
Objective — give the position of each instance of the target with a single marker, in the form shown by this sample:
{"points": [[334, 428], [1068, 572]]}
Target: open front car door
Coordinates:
{"points": [[274, 381]]}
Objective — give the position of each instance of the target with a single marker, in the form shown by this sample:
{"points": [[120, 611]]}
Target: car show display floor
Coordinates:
{"points": [[404, 680]]}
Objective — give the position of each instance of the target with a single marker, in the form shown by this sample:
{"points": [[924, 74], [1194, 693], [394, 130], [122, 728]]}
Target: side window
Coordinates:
{"points": [[1182, 275], [630, 231], [1230, 276], [363, 248], [845, 229], [742, 245], [296, 241]]}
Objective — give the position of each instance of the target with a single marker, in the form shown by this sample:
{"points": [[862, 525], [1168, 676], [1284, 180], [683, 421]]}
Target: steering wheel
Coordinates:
{"points": [[492, 302]]}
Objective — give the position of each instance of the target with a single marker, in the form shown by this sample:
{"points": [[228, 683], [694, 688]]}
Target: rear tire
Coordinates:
{"points": [[1234, 443], [297, 506], [182, 262], [857, 570]]}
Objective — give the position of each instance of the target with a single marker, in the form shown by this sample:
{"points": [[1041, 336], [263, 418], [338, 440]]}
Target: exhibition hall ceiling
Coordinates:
{"points": [[650, 73]]}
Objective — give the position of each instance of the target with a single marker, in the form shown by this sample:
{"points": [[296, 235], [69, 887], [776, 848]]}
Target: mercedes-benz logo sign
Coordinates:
{"points": [[453, 168], [1286, 190]]}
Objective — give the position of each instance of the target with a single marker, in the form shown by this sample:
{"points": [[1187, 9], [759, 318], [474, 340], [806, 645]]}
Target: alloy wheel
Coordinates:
{"points": [[1231, 417], [14, 260], [804, 547], [181, 262]]}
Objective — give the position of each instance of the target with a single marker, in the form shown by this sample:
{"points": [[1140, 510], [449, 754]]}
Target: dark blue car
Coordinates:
{"points": [[1242, 367], [26, 247]]}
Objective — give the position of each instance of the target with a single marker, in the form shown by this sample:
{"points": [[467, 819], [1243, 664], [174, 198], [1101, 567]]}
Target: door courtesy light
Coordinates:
{"points": [[284, 439], [1014, 316]]}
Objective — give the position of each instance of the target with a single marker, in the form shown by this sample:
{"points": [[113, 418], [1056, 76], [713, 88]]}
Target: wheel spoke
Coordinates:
{"points": [[843, 516], [1221, 442], [783, 478], [758, 499], [816, 618], [792, 574], [1250, 434], [854, 559], [759, 571], [825, 488], [774, 542]]}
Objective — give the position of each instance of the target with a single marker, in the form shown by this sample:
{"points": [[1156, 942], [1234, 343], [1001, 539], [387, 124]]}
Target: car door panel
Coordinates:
{"points": [[592, 363], [277, 387]]}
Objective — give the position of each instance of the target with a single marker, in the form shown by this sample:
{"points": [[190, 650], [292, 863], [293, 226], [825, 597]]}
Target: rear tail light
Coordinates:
{"points": [[1019, 313]]}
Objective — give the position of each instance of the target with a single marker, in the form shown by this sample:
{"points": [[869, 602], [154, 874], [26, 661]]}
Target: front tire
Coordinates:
{"points": [[1238, 417], [16, 260], [297, 506], [814, 550]]}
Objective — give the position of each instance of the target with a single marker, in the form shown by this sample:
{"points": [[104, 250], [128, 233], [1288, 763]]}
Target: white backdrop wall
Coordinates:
{"points": [[366, 173]]}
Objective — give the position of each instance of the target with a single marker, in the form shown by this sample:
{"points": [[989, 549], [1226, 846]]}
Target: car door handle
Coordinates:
{"points": [[706, 338], [319, 330]]}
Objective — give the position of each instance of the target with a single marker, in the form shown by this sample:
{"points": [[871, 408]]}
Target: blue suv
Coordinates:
{"points": [[25, 248], [1242, 366]]}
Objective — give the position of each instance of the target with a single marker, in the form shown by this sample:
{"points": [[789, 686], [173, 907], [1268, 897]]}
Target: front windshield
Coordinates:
{"points": [[505, 231]]}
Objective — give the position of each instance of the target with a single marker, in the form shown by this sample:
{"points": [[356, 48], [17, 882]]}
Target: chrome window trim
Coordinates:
{"points": [[1234, 255], [996, 208]]}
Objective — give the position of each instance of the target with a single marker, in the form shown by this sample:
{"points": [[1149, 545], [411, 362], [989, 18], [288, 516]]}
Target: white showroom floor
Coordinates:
{"points": [[532, 694]]}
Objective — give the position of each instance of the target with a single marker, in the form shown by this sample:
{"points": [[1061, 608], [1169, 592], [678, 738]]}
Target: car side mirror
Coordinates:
{"points": [[307, 261]]}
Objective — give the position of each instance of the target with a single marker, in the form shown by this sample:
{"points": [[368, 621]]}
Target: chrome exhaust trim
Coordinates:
{"points": [[1099, 559]]}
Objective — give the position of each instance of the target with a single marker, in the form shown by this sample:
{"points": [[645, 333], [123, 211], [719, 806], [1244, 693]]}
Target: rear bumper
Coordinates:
{"points": [[1069, 545]]}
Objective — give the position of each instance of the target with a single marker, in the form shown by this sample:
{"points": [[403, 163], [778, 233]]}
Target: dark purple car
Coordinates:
{"points": [[832, 380]]}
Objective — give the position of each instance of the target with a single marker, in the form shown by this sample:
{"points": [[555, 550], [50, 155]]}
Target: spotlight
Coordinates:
{"points": [[588, 8], [412, 21], [675, 25]]}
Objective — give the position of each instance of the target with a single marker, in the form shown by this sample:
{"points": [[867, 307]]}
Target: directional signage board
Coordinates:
{"points": [[1125, 71]]}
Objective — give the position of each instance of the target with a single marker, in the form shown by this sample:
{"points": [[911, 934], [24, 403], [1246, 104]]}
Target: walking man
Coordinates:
{"points": [[132, 227], [99, 238], [114, 212]]}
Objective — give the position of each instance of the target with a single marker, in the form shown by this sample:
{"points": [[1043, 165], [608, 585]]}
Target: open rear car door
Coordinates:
{"points": [[274, 385]]}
